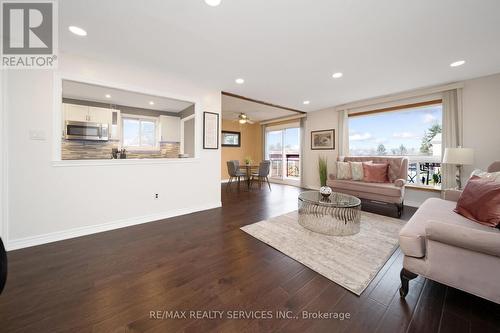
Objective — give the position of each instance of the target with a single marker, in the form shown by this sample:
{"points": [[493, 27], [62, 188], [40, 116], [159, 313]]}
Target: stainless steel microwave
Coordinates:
{"points": [[82, 130]]}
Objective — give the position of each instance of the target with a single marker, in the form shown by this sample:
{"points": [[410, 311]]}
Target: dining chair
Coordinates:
{"points": [[233, 168], [262, 175]]}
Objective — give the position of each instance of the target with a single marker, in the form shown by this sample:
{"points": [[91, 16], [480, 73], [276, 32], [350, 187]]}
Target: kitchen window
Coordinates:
{"points": [[139, 132]]}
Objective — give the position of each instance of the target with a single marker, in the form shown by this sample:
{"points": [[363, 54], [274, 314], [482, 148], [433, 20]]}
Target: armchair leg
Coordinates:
{"points": [[268, 183], [400, 209], [405, 276]]}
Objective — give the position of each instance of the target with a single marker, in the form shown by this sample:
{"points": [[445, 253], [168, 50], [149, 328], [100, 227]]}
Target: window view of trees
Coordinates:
{"points": [[410, 132], [415, 133]]}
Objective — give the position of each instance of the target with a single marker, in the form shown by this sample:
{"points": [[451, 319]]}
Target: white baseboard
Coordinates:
{"points": [[88, 230]]}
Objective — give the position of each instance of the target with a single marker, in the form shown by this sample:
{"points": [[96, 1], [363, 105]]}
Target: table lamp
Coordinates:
{"points": [[460, 157]]}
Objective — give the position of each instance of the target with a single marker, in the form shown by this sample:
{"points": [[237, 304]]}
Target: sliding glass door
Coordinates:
{"points": [[283, 150]]}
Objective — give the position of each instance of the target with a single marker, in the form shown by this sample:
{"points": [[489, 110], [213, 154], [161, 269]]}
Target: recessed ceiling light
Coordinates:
{"points": [[213, 3], [457, 63], [107, 96], [306, 102], [77, 31], [151, 103], [239, 81], [337, 75]]}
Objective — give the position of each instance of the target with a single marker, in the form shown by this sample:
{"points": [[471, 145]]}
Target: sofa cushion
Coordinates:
{"points": [[343, 170], [386, 189], [412, 235], [357, 170], [398, 166], [480, 201], [375, 173]]}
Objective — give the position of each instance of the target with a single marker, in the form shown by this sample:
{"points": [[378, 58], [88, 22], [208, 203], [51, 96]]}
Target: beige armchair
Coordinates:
{"points": [[446, 247]]}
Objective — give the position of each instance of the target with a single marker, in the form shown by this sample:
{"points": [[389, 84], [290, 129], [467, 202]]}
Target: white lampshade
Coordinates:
{"points": [[460, 156]]}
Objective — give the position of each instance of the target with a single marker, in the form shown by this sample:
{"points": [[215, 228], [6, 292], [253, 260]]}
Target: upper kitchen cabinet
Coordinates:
{"points": [[100, 115], [170, 129], [74, 112]]}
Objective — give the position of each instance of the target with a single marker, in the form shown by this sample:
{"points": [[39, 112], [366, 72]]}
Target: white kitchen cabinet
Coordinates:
{"points": [[100, 115], [170, 128], [75, 112]]}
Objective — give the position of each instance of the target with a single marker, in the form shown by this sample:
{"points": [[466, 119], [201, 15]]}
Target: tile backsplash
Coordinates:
{"points": [[98, 150]]}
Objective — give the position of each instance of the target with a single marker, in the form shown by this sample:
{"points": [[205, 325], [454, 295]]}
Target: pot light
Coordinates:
{"points": [[457, 63], [213, 3], [337, 75], [151, 103], [107, 96], [77, 31], [239, 81], [306, 102]]}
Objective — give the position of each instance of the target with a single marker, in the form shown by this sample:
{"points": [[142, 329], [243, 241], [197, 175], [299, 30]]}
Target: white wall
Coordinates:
{"points": [[49, 202], [481, 102], [318, 120]]}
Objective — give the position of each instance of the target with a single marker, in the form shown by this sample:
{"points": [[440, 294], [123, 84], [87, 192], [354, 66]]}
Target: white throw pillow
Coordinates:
{"points": [[343, 170], [495, 176], [357, 170]]}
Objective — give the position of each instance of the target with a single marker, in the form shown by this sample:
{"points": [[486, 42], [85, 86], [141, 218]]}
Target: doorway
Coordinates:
{"points": [[282, 148]]}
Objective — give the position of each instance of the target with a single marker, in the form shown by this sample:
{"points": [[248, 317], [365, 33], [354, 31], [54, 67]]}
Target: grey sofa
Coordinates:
{"points": [[391, 192], [446, 247]]}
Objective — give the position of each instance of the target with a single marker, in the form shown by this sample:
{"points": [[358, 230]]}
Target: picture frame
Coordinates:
{"points": [[210, 130], [323, 140], [231, 139]]}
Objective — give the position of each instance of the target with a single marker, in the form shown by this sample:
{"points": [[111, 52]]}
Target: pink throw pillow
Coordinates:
{"points": [[480, 201], [375, 173]]}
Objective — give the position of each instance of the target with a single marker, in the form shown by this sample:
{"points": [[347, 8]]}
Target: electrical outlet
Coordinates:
{"points": [[157, 195]]}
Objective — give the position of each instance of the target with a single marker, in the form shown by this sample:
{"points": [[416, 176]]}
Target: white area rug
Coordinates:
{"points": [[350, 261]]}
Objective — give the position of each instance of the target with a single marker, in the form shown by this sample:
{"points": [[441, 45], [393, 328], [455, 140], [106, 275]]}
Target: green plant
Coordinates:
{"points": [[248, 160], [323, 172]]}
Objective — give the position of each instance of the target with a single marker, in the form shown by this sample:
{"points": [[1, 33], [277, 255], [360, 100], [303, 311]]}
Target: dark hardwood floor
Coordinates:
{"points": [[110, 282]]}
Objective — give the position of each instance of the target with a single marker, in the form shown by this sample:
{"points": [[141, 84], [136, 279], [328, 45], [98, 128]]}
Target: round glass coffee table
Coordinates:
{"points": [[337, 215]]}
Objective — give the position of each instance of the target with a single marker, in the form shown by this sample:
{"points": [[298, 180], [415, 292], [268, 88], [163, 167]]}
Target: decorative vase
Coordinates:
{"points": [[325, 191]]}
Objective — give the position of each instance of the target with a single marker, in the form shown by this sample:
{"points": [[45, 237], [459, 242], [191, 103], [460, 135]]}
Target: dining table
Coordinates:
{"points": [[248, 171]]}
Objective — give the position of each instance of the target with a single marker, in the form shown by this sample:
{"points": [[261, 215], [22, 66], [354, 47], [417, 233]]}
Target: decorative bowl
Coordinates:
{"points": [[325, 191]]}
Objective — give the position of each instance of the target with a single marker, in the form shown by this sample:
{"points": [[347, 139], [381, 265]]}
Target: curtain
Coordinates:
{"points": [[343, 144], [302, 150], [452, 133]]}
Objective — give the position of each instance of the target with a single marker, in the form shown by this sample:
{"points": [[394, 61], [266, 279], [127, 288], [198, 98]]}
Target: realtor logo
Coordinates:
{"points": [[29, 34]]}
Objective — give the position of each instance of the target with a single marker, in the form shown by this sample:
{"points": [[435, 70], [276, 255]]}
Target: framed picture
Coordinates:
{"points": [[323, 140], [231, 139], [210, 130]]}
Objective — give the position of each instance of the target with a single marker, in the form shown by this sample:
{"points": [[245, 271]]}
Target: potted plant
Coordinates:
{"points": [[323, 174], [248, 160]]}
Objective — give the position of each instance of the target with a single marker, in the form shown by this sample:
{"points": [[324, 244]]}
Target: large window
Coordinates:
{"points": [[414, 132], [139, 132]]}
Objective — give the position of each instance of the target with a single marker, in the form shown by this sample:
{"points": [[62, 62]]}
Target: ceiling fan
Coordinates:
{"points": [[243, 119]]}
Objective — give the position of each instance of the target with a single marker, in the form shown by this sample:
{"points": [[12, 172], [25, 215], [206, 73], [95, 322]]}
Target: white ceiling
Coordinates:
{"points": [[287, 50], [90, 92], [232, 107]]}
